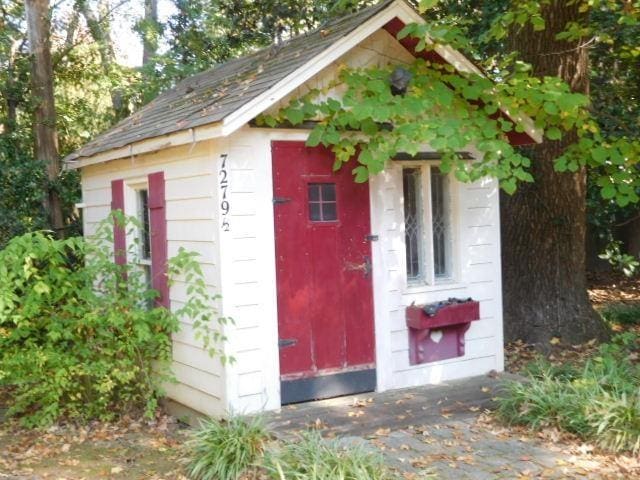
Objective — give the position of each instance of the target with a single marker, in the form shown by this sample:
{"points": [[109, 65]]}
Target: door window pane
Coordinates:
{"points": [[322, 202]]}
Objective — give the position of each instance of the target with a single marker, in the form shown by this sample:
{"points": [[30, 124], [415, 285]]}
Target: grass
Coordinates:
{"points": [[622, 313], [226, 450], [237, 448], [313, 458], [598, 401]]}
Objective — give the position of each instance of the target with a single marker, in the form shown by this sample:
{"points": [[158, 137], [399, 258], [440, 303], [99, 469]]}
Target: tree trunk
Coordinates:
{"points": [[150, 45], [71, 30], [10, 96], [46, 138], [101, 33], [544, 223]]}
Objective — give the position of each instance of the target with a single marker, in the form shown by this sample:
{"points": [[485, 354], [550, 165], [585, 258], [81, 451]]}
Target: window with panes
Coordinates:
{"points": [[427, 220], [144, 233]]}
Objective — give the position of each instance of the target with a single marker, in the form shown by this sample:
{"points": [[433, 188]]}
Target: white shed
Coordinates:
{"points": [[325, 278]]}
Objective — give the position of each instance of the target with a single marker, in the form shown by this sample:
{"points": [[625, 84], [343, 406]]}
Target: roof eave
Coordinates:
{"points": [[149, 145]]}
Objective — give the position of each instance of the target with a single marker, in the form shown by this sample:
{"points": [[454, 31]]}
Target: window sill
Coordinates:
{"points": [[414, 288]]}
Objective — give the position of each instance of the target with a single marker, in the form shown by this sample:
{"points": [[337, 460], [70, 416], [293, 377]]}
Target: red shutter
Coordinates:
{"points": [[158, 227], [119, 234]]}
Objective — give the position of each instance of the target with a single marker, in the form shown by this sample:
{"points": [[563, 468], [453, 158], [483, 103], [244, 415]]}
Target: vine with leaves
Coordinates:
{"points": [[451, 110]]}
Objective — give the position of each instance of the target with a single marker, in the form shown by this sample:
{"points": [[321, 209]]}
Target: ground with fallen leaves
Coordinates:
{"points": [[605, 289], [126, 450], [454, 440]]}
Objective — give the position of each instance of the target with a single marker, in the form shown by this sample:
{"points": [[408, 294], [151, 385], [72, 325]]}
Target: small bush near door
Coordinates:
{"points": [[598, 401], [313, 458], [240, 448], [226, 450]]}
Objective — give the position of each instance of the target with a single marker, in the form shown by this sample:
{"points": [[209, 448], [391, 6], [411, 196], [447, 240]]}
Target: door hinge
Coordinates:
{"points": [[287, 342], [279, 200], [372, 238]]}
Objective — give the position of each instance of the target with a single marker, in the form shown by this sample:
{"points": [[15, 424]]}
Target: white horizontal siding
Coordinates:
{"points": [[379, 50], [247, 259], [191, 211], [476, 274], [444, 372]]}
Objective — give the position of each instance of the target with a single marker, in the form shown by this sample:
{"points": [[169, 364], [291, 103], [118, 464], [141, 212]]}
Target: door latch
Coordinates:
{"points": [[365, 267], [279, 200]]}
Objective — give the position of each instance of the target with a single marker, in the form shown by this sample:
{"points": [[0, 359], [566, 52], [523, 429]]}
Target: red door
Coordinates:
{"points": [[323, 261]]}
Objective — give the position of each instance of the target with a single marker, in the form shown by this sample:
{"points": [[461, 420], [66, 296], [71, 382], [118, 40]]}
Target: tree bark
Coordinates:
{"points": [[71, 30], [150, 45], [544, 223], [46, 137], [10, 96], [101, 33]]}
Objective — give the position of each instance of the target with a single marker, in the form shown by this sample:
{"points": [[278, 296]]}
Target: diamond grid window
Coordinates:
{"points": [[441, 224], [411, 180], [322, 202]]}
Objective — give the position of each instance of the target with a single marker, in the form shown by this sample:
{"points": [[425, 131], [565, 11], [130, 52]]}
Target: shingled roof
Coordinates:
{"points": [[210, 96]]}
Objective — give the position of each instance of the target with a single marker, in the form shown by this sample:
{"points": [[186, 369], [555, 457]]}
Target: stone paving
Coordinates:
{"points": [[439, 432]]}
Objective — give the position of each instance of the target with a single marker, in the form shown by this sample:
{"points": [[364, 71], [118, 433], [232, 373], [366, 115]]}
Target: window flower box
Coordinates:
{"points": [[437, 330]]}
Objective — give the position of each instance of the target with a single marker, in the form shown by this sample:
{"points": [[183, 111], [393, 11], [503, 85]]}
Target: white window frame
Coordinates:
{"points": [[132, 192], [428, 276]]}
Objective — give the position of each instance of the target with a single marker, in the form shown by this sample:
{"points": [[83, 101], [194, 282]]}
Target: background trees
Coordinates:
{"points": [[44, 109]]}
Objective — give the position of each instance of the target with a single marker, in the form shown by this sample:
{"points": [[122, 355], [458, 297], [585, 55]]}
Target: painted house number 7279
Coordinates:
{"points": [[224, 185]]}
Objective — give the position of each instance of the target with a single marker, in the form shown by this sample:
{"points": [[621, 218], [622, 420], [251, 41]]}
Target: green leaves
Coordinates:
{"points": [[79, 343], [425, 5], [361, 174], [448, 111], [315, 137], [294, 116], [554, 133]]}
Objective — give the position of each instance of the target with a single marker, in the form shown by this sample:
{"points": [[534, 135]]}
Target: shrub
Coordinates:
{"points": [[598, 402], [622, 313], [619, 260], [313, 458], [545, 402], [616, 421], [225, 450], [78, 342]]}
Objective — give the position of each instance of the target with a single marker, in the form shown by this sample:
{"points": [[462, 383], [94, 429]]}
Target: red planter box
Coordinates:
{"points": [[451, 321]]}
